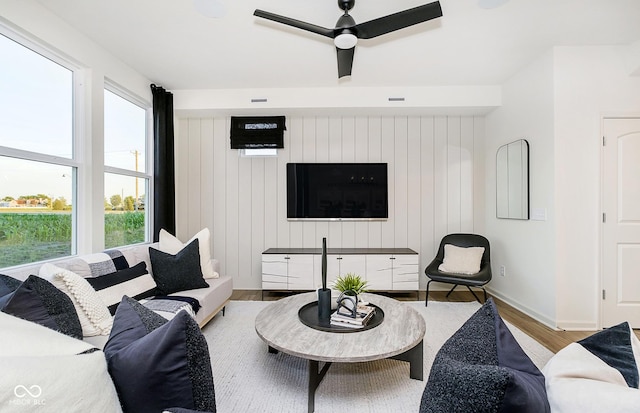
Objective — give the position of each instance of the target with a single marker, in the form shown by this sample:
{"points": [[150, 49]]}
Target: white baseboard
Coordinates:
{"points": [[576, 326], [524, 309]]}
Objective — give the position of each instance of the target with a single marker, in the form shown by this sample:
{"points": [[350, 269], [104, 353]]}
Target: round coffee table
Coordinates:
{"points": [[399, 336]]}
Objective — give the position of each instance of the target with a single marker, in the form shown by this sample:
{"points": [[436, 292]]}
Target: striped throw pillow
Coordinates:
{"points": [[100, 263], [135, 282]]}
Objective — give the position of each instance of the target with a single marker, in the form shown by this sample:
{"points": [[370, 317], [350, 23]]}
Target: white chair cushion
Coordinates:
{"points": [[461, 260]]}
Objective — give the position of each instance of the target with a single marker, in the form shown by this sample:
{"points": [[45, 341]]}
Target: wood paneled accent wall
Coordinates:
{"points": [[436, 185]]}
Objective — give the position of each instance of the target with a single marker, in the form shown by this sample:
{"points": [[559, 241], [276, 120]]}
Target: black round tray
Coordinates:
{"points": [[308, 315]]}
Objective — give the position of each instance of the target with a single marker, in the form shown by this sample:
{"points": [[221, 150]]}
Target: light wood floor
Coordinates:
{"points": [[551, 339]]}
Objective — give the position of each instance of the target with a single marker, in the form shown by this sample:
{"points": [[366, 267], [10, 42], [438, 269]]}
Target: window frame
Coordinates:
{"points": [[87, 156], [147, 174], [76, 162]]}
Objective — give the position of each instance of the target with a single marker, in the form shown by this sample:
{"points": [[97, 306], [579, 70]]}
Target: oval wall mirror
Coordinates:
{"points": [[512, 180]]}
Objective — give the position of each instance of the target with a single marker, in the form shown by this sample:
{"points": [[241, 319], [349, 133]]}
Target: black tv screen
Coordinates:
{"points": [[337, 191]]}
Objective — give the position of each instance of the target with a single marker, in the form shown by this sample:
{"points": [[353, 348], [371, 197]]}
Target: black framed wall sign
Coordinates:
{"points": [[257, 132]]}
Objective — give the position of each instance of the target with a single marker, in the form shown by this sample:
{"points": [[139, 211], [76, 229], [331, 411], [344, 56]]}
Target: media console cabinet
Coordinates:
{"points": [[385, 269]]}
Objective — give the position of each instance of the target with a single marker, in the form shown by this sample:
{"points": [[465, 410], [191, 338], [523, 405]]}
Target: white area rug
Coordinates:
{"points": [[249, 379]]}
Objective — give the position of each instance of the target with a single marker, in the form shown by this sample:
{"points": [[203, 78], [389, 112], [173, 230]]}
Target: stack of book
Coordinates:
{"points": [[342, 317]]}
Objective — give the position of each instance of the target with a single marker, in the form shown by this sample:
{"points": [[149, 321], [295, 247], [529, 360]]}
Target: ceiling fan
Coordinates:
{"points": [[346, 33]]}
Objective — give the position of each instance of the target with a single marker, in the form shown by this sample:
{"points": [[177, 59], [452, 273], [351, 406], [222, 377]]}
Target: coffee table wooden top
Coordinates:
{"points": [[279, 326]]}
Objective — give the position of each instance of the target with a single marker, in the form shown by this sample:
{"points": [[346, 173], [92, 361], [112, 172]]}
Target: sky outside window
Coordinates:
{"points": [[124, 133], [36, 102], [36, 114]]}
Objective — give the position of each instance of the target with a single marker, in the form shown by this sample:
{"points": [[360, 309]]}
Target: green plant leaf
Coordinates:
{"points": [[350, 281]]}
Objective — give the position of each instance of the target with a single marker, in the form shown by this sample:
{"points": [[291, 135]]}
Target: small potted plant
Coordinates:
{"points": [[350, 282], [350, 285]]}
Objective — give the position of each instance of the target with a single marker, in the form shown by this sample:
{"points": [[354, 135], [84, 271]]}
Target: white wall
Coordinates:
{"points": [[35, 23], [435, 172], [525, 248], [557, 103], [590, 83]]}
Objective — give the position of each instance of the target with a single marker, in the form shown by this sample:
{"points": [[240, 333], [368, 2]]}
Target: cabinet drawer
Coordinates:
{"points": [[404, 275], [275, 268], [274, 258], [301, 266], [379, 279], [405, 259], [274, 278], [354, 264], [296, 283], [405, 269]]}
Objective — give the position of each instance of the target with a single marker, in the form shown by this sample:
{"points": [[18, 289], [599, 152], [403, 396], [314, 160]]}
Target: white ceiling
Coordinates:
{"points": [[169, 42]]}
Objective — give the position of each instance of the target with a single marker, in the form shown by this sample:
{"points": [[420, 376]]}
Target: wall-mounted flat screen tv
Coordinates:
{"points": [[337, 191]]}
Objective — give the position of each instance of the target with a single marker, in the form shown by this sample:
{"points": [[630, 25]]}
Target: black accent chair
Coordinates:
{"points": [[468, 280]]}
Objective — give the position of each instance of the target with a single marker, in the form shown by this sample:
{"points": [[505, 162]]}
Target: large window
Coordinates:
{"points": [[127, 179], [38, 168]]}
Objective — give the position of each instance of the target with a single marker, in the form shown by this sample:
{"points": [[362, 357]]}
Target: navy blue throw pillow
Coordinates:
{"points": [[156, 363], [131, 322], [8, 284], [180, 272], [482, 368], [39, 301]]}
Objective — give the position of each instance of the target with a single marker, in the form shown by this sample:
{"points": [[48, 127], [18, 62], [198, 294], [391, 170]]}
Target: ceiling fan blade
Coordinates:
{"points": [[295, 23], [397, 21], [345, 61]]}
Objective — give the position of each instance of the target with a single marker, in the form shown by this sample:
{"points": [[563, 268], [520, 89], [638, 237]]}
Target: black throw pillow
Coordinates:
{"points": [[482, 368], [614, 347], [156, 363], [8, 284], [180, 272], [131, 323], [39, 301]]}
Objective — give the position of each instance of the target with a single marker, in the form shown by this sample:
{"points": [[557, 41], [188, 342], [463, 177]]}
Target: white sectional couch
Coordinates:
{"points": [[43, 369], [212, 299]]}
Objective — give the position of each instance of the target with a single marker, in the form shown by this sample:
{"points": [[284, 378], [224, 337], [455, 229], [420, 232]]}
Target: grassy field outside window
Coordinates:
{"points": [[30, 236]]}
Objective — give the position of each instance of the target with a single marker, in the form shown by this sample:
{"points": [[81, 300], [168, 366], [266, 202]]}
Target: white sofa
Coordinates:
{"points": [[42, 367], [212, 299]]}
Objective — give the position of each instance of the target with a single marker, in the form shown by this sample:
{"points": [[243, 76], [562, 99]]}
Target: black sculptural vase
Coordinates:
{"points": [[324, 294]]}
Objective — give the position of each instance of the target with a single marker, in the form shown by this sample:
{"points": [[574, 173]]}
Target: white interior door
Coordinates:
{"points": [[621, 222]]}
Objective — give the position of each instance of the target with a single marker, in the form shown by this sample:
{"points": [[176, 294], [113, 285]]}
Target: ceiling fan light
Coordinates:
{"points": [[345, 41]]}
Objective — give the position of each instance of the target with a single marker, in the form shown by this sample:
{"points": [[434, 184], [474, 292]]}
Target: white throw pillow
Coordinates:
{"points": [[461, 260], [93, 313], [42, 367], [172, 245]]}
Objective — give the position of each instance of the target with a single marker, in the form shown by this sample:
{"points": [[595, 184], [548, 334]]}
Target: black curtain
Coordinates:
{"points": [[164, 188]]}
